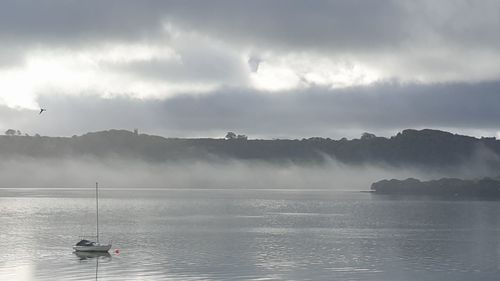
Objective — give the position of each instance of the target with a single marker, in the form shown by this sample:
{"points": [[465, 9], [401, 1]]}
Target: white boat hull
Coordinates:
{"points": [[91, 255], [94, 248]]}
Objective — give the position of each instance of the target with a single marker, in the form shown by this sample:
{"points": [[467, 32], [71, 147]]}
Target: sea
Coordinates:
{"points": [[247, 234]]}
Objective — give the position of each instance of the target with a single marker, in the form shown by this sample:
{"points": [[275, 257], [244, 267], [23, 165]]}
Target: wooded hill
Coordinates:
{"points": [[410, 147]]}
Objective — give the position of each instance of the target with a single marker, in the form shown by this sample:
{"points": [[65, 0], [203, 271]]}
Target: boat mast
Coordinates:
{"points": [[97, 210]]}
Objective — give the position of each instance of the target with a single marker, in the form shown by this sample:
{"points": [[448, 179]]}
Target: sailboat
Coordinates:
{"points": [[93, 246]]}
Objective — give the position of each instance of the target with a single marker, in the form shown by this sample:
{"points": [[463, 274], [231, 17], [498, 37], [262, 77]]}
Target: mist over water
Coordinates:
{"points": [[220, 173]]}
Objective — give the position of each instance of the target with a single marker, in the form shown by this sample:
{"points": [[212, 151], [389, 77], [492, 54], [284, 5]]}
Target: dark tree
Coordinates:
{"points": [[230, 136], [368, 136]]}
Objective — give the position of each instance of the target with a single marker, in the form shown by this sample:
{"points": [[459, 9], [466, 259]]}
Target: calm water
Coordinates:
{"points": [[248, 235]]}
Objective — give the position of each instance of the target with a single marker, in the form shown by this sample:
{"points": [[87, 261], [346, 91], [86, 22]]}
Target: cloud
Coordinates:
{"points": [[209, 61], [155, 49], [320, 111], [138, 70], [426, 41], [295, 24], [66, 23], [266, 69], [383, 109]]}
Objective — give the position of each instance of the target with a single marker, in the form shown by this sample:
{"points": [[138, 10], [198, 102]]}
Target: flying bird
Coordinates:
{"points": [[42, 110]]}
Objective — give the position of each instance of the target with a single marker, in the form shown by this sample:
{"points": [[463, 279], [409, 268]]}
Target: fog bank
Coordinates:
{"points": [[224, 173]]}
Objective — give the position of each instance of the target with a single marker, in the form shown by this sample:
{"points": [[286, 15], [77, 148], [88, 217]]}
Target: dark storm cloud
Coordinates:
{"points": [[338, 24], [344, 24], [55, 21], [348, 25], [313, 112], [297, 20]]}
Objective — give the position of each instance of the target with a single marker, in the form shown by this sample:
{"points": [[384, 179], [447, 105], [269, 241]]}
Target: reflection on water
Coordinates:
{"points": [[248, 235], [95, 256]]}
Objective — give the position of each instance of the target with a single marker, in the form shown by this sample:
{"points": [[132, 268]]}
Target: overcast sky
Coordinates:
{"points": [[268, 69]]}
